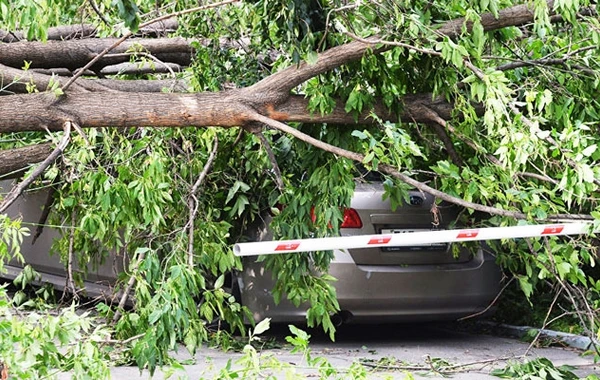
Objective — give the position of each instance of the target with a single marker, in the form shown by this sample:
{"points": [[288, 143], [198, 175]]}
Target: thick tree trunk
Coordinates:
{"points": [[35, 112], [14, 160]]}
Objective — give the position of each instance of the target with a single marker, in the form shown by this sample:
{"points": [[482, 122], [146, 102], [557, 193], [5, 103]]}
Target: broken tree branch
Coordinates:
{"points": [[387, 169], [20, 82], [15, 161], [17, 190], [58, 33]]}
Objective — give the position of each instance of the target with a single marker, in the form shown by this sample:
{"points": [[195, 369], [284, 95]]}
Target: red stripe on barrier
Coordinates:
{"points": [[287, 247], [553, 230], [380, 240], [466, 234]]}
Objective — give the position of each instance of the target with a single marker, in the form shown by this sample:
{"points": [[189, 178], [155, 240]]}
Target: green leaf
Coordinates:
{"points": [[526, 286], [359, 134], [589, 150], [312, 57], [262, 326], [128, 12], [219, 282]]}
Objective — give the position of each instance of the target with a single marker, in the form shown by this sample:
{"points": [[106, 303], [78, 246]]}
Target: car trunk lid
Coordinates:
{"points": [[421, 213]]}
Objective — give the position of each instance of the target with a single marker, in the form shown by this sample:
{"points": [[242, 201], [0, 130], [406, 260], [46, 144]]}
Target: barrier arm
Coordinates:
{"points": [[410, 239]]}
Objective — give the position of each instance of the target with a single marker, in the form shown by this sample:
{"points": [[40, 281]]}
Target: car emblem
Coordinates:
{"points": [[416, 200]]}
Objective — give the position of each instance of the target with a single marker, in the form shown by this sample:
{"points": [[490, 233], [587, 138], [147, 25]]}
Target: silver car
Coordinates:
{"points": [[400, 284], [418, 283], [37, 250]]}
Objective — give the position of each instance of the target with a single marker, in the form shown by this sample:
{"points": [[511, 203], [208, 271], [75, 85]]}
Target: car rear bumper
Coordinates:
{"points": [[368, 293]]}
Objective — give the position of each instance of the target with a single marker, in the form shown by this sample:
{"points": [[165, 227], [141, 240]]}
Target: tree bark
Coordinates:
{"points": [[15, 160], [58, 33], [15, 81], [73, 54], [35, 112], [69, 32]]}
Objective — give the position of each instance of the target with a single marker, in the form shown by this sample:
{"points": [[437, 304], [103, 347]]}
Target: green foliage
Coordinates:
{"points": [[11, 238], [537, 369], [127, 10], [38, 344], [524, 124]]}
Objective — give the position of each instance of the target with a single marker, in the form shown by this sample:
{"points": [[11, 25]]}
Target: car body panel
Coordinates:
{"points": [[421, 214], [405, 284], [100, 277]]}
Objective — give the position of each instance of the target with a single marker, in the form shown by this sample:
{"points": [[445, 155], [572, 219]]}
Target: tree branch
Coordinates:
{"points": [[51, 54], [15, 161], [17, 190], [128, 288], [386, 169], [59, 33], [97, 11], [512, 16], [285, 80], [193, 201], [19, 81]]}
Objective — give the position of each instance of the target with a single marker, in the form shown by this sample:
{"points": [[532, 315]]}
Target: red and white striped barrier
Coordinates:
{"points": [[409, 239]]}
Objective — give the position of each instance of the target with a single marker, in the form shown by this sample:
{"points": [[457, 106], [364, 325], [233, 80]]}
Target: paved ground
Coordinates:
{"points": [[398, 345]]}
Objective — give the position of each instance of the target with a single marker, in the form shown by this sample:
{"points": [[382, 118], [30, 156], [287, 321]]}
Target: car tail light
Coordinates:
{"points": [[351, 219]]}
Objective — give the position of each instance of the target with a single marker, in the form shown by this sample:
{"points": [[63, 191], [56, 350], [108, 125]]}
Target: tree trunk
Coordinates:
{"points": [[35, 112]]}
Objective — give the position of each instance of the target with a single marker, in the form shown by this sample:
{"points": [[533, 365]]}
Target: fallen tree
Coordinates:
{"points": [[494, 110]]}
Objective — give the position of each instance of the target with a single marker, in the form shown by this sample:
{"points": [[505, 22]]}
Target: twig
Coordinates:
{"points": [[516, 63], [123, 342], [130, 284], [129, 34], [393, 43], [147, 55], [17, 190], [97, 11], [274, 165], [540, 177], [238, 138], [193, 201], [70, 282], [441, 369], [537, 336], [491, 303], [342, 8]]}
